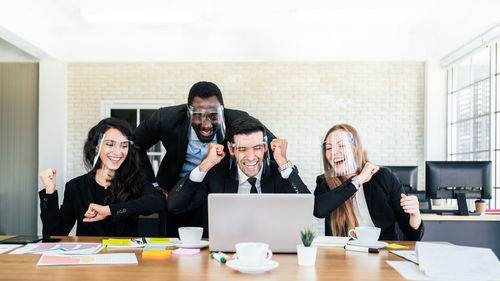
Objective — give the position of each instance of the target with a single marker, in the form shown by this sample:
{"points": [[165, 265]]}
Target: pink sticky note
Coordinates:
{"points": [[185, 252], [48, 260]]}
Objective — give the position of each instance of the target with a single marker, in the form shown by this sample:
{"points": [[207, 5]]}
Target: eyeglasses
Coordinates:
{"points": [[256, 148], [203, 115]]}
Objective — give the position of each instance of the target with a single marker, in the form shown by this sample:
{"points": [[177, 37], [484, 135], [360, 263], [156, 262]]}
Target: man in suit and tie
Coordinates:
{"points": [[185, 131], [249, 169]]}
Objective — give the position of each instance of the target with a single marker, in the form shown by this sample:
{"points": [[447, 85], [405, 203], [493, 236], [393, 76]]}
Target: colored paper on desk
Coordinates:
{"points": [[7, 247], [59, 249], [122, 258], [186, 252], [396, 246], [159, 241], [116, 242], [156, 253], [154, 247]]}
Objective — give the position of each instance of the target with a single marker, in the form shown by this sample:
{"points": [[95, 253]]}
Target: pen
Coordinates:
{"points": [[360, 249], [220, 256]]}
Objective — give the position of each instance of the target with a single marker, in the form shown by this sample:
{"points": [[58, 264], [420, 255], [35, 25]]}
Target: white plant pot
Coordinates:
{"points": [[306, 255]]}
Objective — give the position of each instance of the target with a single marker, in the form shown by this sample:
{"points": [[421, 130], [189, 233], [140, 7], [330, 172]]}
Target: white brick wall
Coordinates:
{"points": [[297, 101]]}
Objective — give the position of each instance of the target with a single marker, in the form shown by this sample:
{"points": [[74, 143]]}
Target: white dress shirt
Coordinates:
{"points": [[243, 185], [361, 209]]}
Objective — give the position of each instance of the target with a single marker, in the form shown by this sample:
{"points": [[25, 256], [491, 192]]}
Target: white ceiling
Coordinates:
{"points": [[234, 30]]}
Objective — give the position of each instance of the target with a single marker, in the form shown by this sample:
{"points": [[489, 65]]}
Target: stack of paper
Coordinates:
{"points": [[330, 241], [47, 260], [443, 262]]}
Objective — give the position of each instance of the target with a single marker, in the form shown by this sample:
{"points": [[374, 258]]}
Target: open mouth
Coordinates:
{"points": [[250, 165], [206, 133], [114, 160], [338, 161]]}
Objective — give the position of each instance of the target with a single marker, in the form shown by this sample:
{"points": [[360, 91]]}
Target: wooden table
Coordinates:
{"points": [[331, 264]]}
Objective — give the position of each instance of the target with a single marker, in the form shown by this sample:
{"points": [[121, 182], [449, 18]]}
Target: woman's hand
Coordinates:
{"points": [[96, 212], [410, 206], [368, 171], [48, 178]]}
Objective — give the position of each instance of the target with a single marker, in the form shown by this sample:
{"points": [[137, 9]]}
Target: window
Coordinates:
{"points": [[134, 112], [473, 111]]}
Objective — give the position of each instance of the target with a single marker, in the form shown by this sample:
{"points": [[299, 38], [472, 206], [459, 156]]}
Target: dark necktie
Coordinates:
{"points": [[252, 181]]}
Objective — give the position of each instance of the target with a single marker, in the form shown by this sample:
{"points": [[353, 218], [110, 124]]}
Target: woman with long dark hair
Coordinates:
{"points": [[107, 200], [354, 192]]}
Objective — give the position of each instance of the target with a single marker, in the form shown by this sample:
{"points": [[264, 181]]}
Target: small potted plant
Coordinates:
{"points": [[306, 254]]}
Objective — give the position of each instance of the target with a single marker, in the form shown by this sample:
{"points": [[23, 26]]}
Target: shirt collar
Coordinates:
{"points": [[242, 177]]}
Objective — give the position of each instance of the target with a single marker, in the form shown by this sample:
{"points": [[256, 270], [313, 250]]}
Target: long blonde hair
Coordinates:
{"points": [[342, 219]]}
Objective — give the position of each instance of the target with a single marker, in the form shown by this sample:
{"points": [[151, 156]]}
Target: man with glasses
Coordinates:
{"points": [[249, 169], [185, 131]]}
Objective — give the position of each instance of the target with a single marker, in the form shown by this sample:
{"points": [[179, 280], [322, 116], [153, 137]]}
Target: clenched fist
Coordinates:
{"points": [[96, 212], [278, 147], [48, 178], [368, 171], [215, 154]]}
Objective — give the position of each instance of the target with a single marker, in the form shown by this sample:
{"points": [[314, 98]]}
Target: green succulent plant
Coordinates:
{"points": [[307, 235]]}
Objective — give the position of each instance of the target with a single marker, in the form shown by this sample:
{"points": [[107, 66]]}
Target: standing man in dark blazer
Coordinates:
{"points": [[185, 131], [248, 171]]}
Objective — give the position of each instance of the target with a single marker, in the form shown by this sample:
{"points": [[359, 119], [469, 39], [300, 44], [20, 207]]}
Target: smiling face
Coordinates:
{"points": [[249, 152], [114, 149], [205, 117], [339, 151]]}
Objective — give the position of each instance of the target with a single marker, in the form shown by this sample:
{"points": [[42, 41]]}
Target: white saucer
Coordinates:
{"points": [[376, 245], [200, 245], [268, 265]]}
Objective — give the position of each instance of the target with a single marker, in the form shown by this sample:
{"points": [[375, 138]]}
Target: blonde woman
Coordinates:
{"points": [[354, 192]]}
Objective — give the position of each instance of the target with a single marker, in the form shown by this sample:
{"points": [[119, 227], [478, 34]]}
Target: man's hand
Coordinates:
{"points": [[278, 147], [368, 171], [48, 178], [96, 212], [215, 154]]}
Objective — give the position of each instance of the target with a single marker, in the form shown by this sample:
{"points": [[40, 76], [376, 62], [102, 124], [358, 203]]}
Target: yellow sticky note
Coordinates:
{"points": [[396, 246], [116, 242], [156, 253], [159, 241]]}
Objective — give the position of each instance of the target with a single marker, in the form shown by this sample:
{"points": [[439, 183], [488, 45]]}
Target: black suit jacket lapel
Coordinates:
{"points": [[267, 184], [182, 140], [231, 182]]}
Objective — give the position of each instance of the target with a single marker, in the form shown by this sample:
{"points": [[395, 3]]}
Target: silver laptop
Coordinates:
{"points": [[275, 219]]}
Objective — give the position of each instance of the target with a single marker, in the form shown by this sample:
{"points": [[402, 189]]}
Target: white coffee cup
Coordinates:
{"points": [[190, 234], [252, 253], [365, 234]]}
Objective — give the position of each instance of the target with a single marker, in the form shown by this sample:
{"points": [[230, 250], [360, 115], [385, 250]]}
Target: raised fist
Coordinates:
{"points": [[278, 147], [48, 178]]}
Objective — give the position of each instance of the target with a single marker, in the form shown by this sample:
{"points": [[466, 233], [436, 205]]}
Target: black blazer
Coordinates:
{"points": [[223, 178], [383, 195], [78, 195]]}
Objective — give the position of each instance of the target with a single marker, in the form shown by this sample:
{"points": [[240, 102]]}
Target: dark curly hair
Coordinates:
{"points": [[127, 180], [204, 89]]}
